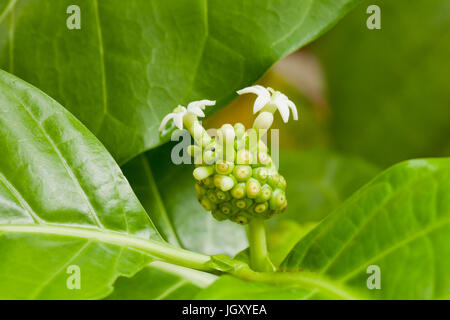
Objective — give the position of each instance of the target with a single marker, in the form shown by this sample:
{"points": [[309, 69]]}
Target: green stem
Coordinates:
{"points": [[259, 256]]}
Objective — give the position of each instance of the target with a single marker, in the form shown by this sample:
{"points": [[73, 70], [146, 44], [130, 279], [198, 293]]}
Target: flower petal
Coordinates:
{"points": [[196, 107], [166, 119], [197, 111], [178, 119], [260, 102], [259, 90], [280, 101], [293, 108]]}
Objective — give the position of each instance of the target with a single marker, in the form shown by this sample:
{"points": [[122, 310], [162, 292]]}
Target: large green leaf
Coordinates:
{"points": [[167, 192], [400, 222], [388, 88], [63, 202], [162, 281], [231, 288], [133, 61]]}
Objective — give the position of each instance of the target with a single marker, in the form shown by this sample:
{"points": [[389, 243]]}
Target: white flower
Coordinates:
{"points": [[195, 107], [177, 115], [273, 98]]}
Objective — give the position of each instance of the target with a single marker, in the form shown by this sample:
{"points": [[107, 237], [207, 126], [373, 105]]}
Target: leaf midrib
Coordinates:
{"points": [[156, 249]]}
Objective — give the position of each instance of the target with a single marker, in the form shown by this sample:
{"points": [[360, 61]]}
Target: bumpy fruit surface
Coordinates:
{"points": [[236, 178]]}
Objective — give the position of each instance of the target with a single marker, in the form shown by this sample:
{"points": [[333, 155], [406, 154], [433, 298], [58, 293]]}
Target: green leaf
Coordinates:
{"points": [[167, 192], [64, 202], [132, 63], [319, 180], [284, 236], [400, 222], [162, 281], [231, 288], [394, 102]]}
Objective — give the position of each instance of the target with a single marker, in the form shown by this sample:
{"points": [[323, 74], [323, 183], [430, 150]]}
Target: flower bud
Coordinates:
{"points": [[242, 173], [262, 146], [242, 203], [261, 207], [209, 157], [282, 182], [222, 182], [218, 215], [263, 158], [243, 157], [208, 182], [222, 196], [201, 173], [238, 191], [199, 190], [260, 173], [224, 167], [206, 203], [265, 194], [239, 130], [263, 121], [273, 179], [253, 188], [226, 208], [241, 219], [278, 199], [239, 144], [211, 194]]}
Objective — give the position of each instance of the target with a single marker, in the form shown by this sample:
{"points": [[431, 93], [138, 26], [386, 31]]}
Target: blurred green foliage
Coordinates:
{"points": [[389, 88]]}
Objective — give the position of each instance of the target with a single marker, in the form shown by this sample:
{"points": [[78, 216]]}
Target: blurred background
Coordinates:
{"points": [[367, 99]]}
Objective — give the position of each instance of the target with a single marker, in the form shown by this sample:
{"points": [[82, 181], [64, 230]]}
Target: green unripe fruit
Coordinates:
{"points": [[201, 173], [278, 200], [224, 167], [261, 174], [265, 194], [242, 173], [236, 179], [253, 188], [222, 182], [238, 191]]}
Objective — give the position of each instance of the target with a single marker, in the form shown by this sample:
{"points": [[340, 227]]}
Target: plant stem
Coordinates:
{"points": [[259, 256]]}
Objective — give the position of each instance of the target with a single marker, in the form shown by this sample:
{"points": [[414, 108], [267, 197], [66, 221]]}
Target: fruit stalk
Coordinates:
{"points": [[259, 255]]}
